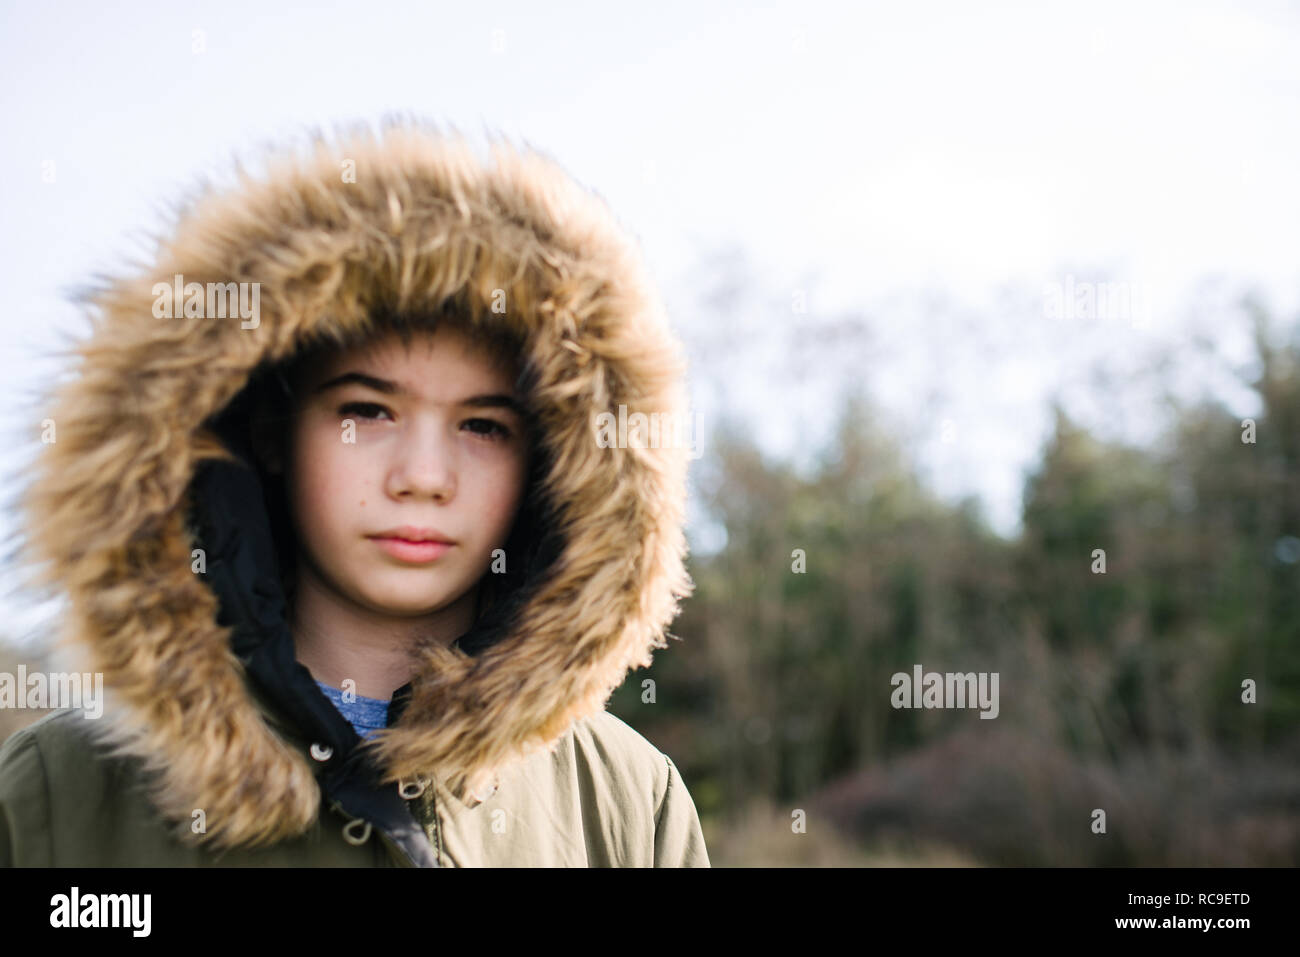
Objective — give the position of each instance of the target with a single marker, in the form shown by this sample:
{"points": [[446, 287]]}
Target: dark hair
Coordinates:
{"points": [[533, 543]]}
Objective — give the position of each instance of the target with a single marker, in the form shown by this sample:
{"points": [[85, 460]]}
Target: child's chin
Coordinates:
{"points": [[410, 605]]}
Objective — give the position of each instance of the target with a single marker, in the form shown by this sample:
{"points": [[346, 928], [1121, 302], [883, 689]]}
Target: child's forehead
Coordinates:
{"points": [[441, 347]]}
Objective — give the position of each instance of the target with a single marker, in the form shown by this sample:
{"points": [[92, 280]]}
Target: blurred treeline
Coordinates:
{"points": [[1120, 691]]}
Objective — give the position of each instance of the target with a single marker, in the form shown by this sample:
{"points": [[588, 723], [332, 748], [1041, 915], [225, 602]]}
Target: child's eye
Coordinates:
{"points": [[496, 431], [487, 428], [361, 408]]}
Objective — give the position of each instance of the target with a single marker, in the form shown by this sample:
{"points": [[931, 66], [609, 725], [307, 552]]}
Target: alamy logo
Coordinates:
{"points": [[102, 910], [59, 689], [655, 430], [1105, 301], [213, 300], [930, 689]]}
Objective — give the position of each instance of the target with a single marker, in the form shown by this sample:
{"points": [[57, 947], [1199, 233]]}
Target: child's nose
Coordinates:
{"points": [[425, 465]]}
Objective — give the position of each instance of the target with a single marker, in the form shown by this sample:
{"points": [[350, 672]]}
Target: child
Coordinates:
{"points": [[382, 344]]}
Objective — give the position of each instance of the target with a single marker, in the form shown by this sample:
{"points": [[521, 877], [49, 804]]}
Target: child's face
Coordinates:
{"points": [[421, 453]]}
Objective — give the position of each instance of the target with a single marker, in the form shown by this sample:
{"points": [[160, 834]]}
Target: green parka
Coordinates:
{"points": [[148, 512]]}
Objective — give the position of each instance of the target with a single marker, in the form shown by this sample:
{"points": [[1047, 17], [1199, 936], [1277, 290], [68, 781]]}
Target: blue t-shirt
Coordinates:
{"points": [[367, 715]]}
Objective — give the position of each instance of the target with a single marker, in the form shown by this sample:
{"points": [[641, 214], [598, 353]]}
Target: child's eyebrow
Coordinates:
{"points": [[394, 388]]}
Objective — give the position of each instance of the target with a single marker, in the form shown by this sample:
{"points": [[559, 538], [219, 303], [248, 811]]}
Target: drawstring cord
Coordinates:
{"points": [[350, 836]]}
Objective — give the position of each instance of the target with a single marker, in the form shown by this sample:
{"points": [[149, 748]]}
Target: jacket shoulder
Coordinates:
{"points": [[643, 779], [65, 797], [29, 759], [66, 744], [63, 739], [605, 740], [54, 733]]}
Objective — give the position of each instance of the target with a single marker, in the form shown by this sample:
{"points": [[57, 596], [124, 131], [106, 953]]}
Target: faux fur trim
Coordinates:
{"points": [[425, 220]]}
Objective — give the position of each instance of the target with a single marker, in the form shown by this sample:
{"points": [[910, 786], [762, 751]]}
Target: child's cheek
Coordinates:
{"points": [[339, 476], [324, 467]]}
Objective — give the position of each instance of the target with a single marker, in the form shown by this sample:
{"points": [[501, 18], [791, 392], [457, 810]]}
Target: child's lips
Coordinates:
{"points": [[415, 533], [411, 551]]}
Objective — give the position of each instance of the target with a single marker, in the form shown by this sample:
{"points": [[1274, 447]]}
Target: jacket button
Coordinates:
{"points": [[322, 752]]}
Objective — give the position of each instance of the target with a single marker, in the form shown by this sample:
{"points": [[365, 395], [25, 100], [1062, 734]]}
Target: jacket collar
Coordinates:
{"points": [[349, 781], [140, 478]]}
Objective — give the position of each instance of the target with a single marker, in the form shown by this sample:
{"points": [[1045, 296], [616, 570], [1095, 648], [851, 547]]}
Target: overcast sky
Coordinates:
{"points": [[854, 154]]}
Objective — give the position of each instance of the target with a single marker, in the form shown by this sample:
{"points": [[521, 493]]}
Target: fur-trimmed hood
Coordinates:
{"points": [[404, 222]]}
